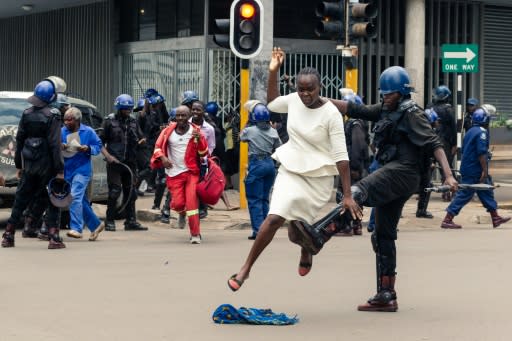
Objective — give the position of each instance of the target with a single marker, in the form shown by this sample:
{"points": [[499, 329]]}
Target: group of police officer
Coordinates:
{"points": [[403, 138]]}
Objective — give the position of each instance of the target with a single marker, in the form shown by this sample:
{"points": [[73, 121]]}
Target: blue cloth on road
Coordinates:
{"points": [[227, 314]]}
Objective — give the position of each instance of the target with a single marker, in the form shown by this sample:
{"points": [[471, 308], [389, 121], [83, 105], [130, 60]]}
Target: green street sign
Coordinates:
{"points": [[460, 57]]}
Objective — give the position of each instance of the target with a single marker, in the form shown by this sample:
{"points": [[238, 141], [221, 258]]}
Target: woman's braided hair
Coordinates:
{"points": [[307, 71]]}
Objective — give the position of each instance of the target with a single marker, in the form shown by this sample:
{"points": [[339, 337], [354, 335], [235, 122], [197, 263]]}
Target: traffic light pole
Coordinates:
{"points": [[244, 118], [349, 54]]}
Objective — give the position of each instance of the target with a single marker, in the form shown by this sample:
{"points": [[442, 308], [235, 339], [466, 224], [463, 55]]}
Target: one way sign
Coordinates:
{"points": [[460, 57]]}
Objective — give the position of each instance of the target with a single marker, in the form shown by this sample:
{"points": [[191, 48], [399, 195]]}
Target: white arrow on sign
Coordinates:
{"points": [[468, 55]]}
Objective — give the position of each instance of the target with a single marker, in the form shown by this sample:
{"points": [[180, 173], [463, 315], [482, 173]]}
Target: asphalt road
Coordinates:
{"points": [[154, 285]]}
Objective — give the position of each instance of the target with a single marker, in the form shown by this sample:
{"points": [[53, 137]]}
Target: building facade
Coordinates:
{"points": [[109, 47]]}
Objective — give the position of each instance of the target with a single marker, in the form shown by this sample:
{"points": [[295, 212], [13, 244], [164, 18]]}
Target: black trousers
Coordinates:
{"points": [[387, 189], [32, 190]]}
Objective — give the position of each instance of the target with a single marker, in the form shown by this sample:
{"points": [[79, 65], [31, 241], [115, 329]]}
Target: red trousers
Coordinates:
{"points": [[184, 198]]}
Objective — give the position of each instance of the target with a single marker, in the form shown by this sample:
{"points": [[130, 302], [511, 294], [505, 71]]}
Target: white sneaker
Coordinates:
{"points": [[94, 235], [195, 239], [74, 234]]}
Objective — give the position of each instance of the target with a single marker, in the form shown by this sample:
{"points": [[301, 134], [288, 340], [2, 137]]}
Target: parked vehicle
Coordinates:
{"points": [[12, 105]]}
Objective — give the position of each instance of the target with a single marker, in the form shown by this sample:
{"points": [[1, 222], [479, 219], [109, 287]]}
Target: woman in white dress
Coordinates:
{"points": [[315, 152]]}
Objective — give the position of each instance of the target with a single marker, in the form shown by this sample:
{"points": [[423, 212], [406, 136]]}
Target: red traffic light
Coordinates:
{"points": [[247, 10]]}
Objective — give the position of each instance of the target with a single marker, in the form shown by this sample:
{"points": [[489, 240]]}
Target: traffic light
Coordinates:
{"points": [[359, 25], [331, 23], [246, 28], [222, 37]]}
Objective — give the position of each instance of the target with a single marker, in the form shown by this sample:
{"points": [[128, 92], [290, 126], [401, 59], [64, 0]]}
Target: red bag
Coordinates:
{"points": [[210, 187]]}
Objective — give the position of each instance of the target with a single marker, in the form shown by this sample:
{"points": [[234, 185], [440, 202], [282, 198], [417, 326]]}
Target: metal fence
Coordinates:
{"points": [[224, 79], [170, 72]]}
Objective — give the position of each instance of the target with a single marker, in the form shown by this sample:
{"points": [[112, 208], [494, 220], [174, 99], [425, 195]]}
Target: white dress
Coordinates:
{"points": [[316, 142]]}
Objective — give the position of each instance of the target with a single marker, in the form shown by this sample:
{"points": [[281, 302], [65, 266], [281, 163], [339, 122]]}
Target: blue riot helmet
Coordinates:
{"points": [[441, 94], [480, 117], [472, 101], [189, 97], [212, 108], [155, 99], [44, 94], [59, 191], [150, 92], [353, 98], [395, 79], [259, 113], [432, 115], [123, 101], [140, 104], [172, 115]]}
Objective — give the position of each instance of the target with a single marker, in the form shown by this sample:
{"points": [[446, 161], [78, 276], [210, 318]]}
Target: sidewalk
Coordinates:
{"points": [[472, 216]]}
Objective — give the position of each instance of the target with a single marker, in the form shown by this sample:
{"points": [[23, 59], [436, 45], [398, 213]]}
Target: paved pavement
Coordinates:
{"points": [[154, 285]]}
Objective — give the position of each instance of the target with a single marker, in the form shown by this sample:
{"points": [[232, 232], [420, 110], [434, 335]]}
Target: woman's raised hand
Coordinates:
{"points": [[277, 59]]}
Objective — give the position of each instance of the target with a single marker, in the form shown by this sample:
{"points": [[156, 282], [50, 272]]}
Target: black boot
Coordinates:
{"points": [[43, 232], [423, 201], [313, 237], [165, 216], [29, 231], [8, 236], [133, 225], [110, 225], [55, 241], [385, 299]]}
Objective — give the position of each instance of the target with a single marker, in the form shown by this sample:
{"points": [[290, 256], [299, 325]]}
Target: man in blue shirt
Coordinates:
{"points": [[79, 142], [474, 170]]}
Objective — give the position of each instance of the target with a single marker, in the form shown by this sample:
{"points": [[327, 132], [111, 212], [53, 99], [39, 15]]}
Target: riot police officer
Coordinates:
{"points": [[121, 136], [426, 173], [402, 135], [447, 128], [38, 159], [151, 122], [473, 170]]}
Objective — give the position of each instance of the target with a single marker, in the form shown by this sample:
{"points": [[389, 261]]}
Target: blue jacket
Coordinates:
{"points": [[475, 144], [81, 163]]}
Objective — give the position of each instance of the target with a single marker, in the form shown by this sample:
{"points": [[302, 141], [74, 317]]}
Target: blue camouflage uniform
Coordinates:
{"points": [[475, 144]]}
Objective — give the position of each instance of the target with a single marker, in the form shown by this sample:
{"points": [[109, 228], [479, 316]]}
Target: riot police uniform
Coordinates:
{"points": [[447, 128], [38, 155], [402, 136], [150, 123], [475, 149], [120, 135]]}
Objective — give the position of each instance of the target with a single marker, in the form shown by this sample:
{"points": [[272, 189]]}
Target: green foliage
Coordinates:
{"points": [[501, 120]]}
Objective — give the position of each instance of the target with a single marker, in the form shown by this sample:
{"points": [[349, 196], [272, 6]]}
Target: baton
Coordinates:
{"points": [[475, 187], [123, 206]]}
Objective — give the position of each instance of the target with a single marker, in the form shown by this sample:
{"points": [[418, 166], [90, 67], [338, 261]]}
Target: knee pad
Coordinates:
{"points": [[358, 195]]}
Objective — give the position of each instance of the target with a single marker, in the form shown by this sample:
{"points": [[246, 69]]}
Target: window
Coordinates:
{"points": [[159, 19]]}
